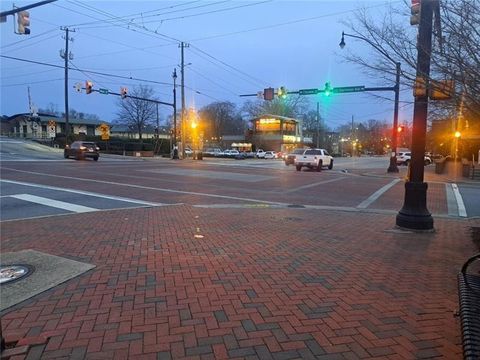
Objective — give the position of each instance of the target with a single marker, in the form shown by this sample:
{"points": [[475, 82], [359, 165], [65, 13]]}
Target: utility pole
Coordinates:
{"points": [[66, 55], [182, 73], [414, 213], [353, 139], [393, 157]]}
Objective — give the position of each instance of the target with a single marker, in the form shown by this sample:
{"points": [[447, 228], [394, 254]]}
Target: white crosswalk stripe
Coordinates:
{"points": [[53, 203]]}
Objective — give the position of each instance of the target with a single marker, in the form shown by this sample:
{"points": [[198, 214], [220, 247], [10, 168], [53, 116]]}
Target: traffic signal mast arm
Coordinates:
{"points": [[130, 96], [333, 90], [23, 8]]}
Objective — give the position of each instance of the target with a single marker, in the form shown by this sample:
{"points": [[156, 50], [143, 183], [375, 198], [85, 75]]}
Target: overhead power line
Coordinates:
{"points": [[144, 15], [209, 12], [148, 32], [265, 27], [89, 71], [229, 66], [105, 74]]}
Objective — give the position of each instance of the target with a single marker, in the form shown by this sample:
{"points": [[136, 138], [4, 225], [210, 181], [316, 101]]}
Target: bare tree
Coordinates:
{"points": [[292, 106], [137, 113], [455, 52], [222, 118]]}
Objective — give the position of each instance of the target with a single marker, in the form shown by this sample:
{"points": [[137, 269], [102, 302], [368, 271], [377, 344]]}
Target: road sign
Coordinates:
{"points": [[105, 130], [348, 89], [308, 92], [103, 91], [52, 127]]}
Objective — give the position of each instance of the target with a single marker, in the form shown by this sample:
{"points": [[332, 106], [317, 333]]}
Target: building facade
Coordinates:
{"points": [[39, 127], [276, 133]]}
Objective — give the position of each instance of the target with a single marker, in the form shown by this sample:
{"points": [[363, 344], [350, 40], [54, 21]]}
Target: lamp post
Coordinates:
{"points": [[175, 150], [393, 157], [457, 134]]}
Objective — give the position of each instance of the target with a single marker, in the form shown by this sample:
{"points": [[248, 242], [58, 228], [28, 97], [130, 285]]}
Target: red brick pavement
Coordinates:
{"points": [[260, 283]]}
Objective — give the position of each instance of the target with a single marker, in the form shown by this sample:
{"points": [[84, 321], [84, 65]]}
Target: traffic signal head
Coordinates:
{"points": [[268, 94], [400, 128], [415, 8], [282, 92], [88, 87], [328, 89], [23, 20], [123, 92]]}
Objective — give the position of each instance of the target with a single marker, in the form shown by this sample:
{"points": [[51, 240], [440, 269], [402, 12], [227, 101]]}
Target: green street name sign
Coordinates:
{"points": [[103, 91], [308, 91], [348, 89]]}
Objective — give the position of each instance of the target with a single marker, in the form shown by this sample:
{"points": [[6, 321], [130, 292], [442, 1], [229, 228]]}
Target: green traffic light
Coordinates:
{"points": [[282, 92], [328, 89]]}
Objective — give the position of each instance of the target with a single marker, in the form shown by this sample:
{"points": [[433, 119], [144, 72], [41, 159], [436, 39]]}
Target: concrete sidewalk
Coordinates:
{"points": [[185, 282]]}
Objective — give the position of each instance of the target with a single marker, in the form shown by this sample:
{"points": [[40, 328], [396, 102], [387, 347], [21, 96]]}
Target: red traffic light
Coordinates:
{"points": [[88, 87], [268, 94]]}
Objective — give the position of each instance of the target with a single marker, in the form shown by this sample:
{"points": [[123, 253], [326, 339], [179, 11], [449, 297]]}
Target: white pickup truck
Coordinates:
{"points": [[314, 159]]}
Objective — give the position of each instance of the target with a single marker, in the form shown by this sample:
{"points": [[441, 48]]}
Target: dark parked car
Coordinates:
{"points": [[81, 149]]}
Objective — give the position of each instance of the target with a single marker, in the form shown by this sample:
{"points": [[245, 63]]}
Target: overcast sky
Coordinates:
{"points": [[236, 47]]}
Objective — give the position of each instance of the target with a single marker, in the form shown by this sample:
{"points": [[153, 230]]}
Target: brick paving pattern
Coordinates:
{"points": [[258, 284]]}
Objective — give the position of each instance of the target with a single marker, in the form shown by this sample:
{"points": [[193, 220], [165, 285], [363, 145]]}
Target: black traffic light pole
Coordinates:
{"points": [[414, 213], [393, 158], [174, 104], [17, 10]]}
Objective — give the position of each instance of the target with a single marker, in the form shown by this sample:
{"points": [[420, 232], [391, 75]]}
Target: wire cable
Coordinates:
{"points": [[93, 72], [258, 81], [30, 38], [142, 15], [284, 23]]}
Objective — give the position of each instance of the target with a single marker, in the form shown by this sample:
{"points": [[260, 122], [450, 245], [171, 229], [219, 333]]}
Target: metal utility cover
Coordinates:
{"points": [[50, 271]]}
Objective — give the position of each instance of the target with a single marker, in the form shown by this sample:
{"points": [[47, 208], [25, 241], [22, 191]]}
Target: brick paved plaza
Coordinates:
{"points": [[258, 283]]}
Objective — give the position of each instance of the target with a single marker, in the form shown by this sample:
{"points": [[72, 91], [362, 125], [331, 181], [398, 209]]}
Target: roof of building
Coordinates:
{"points": [[124, 128], [45, 118], [276, 117]]}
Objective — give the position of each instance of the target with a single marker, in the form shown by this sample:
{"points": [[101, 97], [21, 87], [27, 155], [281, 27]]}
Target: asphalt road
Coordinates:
{"points": [[37, 181]]}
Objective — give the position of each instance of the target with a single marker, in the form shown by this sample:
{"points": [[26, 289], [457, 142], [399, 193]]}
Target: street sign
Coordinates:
{"points": [[348, 89], [52, 125], [103, 91], [308, 92], [105, 130]]}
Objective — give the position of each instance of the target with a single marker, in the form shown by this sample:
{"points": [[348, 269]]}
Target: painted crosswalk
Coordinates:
{"points": [[20, 200]]}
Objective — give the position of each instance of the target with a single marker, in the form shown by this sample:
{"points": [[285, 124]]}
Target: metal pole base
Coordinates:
{"points": [[175, 154], [393, 168], [414, 214]]}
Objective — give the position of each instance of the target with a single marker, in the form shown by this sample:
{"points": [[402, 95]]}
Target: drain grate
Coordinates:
{"points": [[295, 206], [10, 273]]}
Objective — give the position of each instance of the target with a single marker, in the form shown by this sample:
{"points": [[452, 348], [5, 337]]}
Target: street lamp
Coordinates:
{"points": [[457, 134], [393, 158], [175, 150]]}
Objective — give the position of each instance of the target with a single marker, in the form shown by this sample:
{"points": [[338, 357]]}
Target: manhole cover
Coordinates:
{"points": [[9, 273]]}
